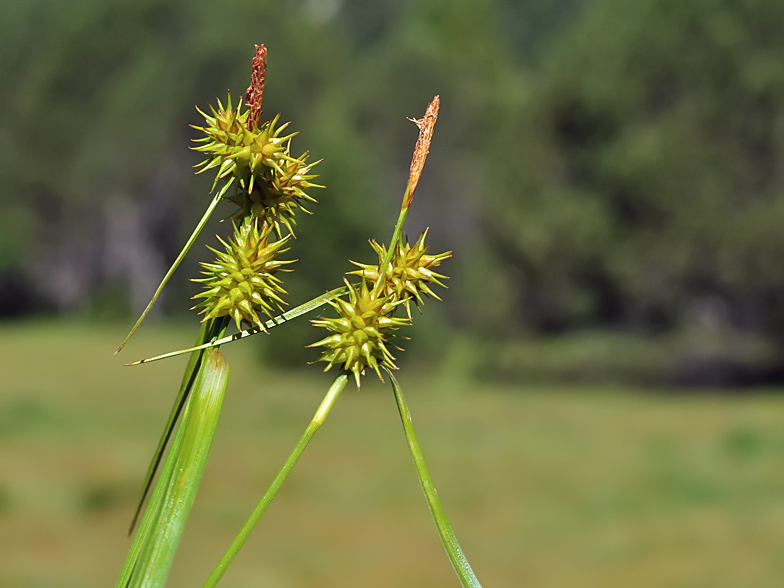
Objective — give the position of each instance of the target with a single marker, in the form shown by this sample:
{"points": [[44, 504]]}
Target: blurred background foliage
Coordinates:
{"points": [[608, 173], [609, 176]]}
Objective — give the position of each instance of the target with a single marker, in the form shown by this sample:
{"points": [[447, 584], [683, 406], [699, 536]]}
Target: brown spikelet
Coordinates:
{"points": [[426, 125], [255, 92]]}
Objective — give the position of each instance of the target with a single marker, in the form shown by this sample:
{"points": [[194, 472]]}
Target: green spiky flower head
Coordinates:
{"points": [[409, 273], [240, 283], [360, 332], [237, 151], [282, 193]]}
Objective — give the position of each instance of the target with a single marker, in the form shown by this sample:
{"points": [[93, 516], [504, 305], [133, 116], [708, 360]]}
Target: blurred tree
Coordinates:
{"points": [[99, 94], [640, 183], [596, 164], [94, 158]]}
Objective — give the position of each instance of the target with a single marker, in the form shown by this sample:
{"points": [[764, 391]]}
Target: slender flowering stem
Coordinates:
{"points": [[453, 550], [318, 419], [274, 322], [401, 220]]}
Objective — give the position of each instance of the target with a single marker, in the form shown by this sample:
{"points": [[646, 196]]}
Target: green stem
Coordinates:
{"points": [[210, 330], [199, 424], [453, 550], [278, 320], [396, 234], [318, 419]]}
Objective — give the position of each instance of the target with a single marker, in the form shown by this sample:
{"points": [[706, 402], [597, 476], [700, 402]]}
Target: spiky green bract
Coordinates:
{"points": [[361, 330], [234, 149], [240, 283], [409, 271]]}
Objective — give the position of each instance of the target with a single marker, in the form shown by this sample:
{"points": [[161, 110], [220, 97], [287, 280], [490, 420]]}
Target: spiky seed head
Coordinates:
{"points": [[241, 282], [409, 273], [360, 331], [291, 177], [263, 148], [281, 193], [236, 150], [224, 136]]}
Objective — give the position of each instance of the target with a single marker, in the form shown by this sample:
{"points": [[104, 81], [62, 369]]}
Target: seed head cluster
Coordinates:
{"points": [[269, 187], [241, 282], [409, 272], [269, 183], [366, 322], [360, 331]]}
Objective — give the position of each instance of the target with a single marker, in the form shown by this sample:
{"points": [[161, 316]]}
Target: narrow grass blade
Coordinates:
{"points": [[178, 489], [188, 379], [453, 550], [318, 419], [274, 322], [176, 263]]}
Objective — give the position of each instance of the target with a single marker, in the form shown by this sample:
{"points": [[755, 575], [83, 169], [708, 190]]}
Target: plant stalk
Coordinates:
{"points": [[153, 508], [188, 380], [459, 562], [318, 419]]}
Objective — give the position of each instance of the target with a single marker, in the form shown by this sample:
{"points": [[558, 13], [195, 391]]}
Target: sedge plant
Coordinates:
{"points": [[257, 173]]}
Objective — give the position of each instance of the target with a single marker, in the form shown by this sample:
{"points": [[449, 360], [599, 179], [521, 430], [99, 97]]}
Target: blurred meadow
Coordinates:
{"points": [[599, 396], [546, 485]]}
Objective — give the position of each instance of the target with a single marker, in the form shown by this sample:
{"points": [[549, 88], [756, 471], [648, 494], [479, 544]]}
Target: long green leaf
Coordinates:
{"points": [[176, 262], [453, 550], [152, 509], [179, 487], [273, 322], [188, 379]]}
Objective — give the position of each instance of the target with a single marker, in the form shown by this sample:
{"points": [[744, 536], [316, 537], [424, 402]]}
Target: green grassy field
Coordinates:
{"points": [[546, 487]]}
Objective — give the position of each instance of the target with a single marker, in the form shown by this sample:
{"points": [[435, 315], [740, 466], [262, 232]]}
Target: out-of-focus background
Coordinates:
{"points": [[598, 392]]}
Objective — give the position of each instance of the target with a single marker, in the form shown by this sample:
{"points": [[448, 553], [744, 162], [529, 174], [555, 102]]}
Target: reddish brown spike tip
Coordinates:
{"points": [[255, 92], [426, 125]]}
